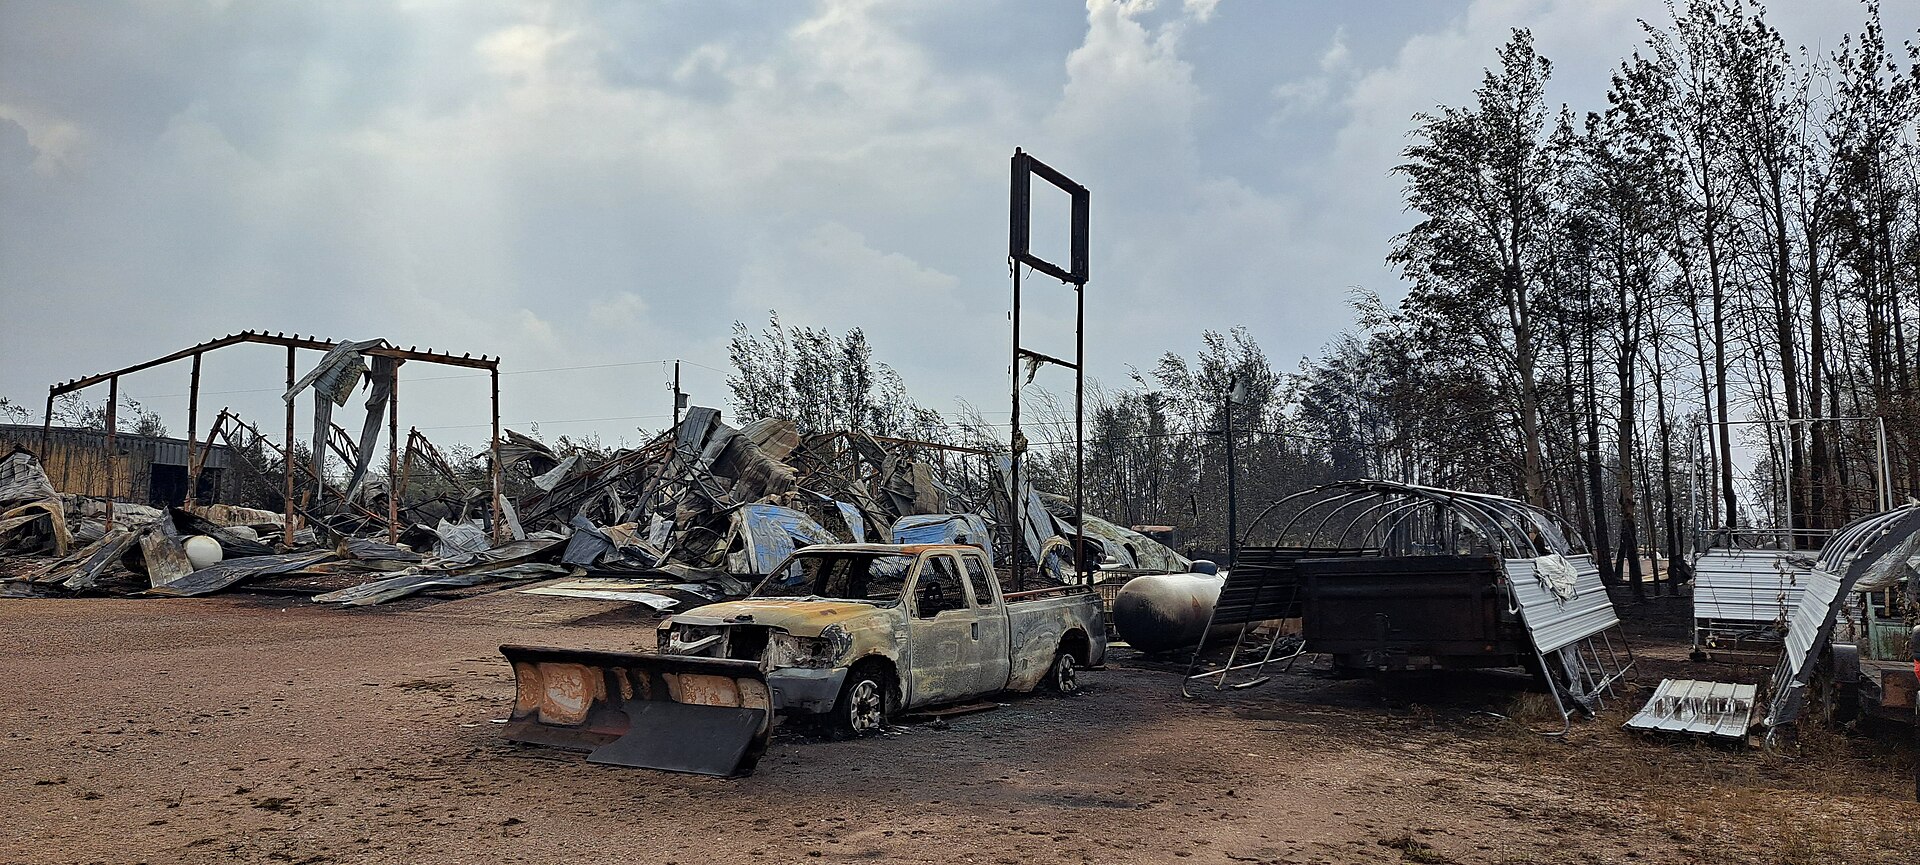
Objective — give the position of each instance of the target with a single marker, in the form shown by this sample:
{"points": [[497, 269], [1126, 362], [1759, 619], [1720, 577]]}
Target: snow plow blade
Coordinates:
{"points": [[709, 716]]}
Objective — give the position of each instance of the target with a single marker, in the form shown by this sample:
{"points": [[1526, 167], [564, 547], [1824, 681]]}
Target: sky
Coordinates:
{"points": [[588, 189]]}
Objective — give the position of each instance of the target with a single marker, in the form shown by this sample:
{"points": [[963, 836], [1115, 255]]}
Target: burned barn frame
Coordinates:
{"points": [[1392, 576], [1019, 252], [335, 438]]}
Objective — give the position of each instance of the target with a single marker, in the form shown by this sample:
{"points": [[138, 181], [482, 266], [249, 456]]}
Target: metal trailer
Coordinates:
{"points": [[1394, 576]]}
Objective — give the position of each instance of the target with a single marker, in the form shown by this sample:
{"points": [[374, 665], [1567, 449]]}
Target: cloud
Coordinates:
{"points": [[571, 185], [1299, 96]]}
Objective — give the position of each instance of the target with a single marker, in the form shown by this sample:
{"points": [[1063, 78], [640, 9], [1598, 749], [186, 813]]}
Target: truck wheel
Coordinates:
{"points": [[1061, 678], [862, 709]]}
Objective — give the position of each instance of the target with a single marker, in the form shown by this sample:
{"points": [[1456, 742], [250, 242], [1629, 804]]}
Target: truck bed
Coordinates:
{"points": [[1039, 620]]}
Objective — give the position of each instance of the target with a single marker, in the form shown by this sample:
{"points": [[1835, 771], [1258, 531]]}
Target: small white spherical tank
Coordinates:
{"points": [[203, 551], [1164, 612]]}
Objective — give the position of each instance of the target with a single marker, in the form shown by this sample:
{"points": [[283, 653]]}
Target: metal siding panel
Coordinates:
{"points": [[1816, 604], [1555, 624], [1745, 585]]}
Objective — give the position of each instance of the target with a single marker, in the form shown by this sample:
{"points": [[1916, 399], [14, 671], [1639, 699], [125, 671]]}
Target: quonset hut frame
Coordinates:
{"points": [[1568, 625], [293, 344]]}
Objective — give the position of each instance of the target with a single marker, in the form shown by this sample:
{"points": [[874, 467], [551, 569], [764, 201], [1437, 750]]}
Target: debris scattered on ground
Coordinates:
{"points": [[700, 513]]}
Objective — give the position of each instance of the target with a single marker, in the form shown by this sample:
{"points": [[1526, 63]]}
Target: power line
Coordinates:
{"points": [[550, 422]]}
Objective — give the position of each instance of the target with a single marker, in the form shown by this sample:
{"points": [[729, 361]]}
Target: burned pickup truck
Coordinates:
{"points": [[845, 633]]}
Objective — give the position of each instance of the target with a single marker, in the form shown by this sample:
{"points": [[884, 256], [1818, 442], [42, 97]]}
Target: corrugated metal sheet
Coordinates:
{"points": [[1700, 708], [1760, 586], [772, 533], [1810, 616], [943, 529], [164, 451], [1555, 623]]}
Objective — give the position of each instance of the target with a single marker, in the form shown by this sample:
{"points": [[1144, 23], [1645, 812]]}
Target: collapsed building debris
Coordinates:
{"points": [[699, 513]]}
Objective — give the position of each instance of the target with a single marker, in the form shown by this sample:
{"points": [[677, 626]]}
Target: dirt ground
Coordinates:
{"points": [[260, 729]]}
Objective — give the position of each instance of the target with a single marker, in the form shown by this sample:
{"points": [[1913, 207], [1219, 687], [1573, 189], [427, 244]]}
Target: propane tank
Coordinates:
{"points": [[1163, 612], [203, 551]]}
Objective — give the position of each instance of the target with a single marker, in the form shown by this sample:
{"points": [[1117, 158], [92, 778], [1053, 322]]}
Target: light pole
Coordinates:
{"points": [[1236, 395]]}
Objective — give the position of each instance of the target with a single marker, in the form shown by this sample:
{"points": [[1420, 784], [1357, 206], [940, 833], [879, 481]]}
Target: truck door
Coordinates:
{"points": [[945, 633], [993, 625]]}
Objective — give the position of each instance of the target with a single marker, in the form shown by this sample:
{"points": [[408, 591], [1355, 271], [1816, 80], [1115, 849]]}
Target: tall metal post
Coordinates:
{"points": [[193, 433], [113, 424], [393, 458], [494, 463], [1886, 464], [1233, 499], [286, 534], [1019, 222], [46, 439], [1080, 436], [679, 398], [1017, 448]]}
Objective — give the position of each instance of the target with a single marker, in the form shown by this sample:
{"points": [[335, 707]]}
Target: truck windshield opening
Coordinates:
{"points": [[850, 576]]}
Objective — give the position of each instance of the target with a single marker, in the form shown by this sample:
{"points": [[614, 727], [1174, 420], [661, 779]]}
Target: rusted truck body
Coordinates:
{"points": [[847, 633]]}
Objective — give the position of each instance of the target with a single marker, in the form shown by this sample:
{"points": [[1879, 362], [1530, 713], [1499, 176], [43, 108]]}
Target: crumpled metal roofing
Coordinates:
{"points": [[943, 529], [772, 533]]}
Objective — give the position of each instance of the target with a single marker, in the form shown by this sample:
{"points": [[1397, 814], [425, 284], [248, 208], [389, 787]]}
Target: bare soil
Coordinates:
{"points": [[266, 729]]}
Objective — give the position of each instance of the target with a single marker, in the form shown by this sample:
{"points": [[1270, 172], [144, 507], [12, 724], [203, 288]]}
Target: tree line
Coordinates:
{"points": [[1648, 317], [1654, 317]]}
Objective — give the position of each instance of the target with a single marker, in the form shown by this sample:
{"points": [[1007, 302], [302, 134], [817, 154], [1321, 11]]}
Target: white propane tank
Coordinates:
{"points": [[1163, 612], [203, 551]]}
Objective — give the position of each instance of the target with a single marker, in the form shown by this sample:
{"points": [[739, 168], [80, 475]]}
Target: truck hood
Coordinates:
{"points": [[801, 618]]}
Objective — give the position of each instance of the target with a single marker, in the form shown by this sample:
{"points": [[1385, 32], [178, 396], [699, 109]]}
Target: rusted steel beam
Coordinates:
{"points": [[113, 403], [295, 341], [196, 462], [89, 381], [286, 458], [193, 431]]}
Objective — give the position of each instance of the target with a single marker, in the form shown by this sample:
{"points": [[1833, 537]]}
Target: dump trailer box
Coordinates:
{"points": [[710, 716], [1409, 612]]}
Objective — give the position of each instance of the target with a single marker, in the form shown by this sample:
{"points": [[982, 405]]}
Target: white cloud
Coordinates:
{"points": [[567, 186], [1302, 95]]}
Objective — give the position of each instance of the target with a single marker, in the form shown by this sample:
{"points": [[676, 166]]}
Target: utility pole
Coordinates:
{"points": [[1236, 394], [679, 398]]}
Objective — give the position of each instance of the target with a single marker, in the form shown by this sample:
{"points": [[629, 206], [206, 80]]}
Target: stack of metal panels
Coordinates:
{"points": [[1698, 708]]}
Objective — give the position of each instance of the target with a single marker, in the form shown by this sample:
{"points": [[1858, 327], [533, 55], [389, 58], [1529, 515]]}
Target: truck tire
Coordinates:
{"points": [[862, 707], [1061, 678]]}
